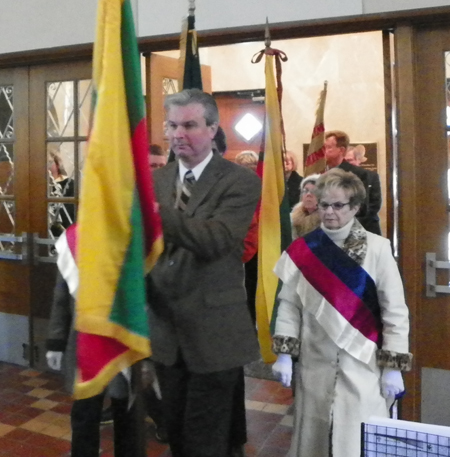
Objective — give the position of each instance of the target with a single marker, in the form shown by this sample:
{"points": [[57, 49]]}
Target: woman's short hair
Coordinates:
{"points": [[247, 158], [310, 179], [345, 180], [290, 155]]}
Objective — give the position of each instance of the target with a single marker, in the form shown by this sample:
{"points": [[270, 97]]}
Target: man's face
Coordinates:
{"points": [[350, 158], [157, 161], [333, 154], [189, 136]]}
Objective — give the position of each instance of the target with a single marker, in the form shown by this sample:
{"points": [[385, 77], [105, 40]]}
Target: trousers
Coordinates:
{"points": [[85, 419], [198, 409]]}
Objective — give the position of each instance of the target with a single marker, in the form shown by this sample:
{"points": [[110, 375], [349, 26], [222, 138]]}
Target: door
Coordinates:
{"points": [[44, 113], [423, 73], [163, 74]]}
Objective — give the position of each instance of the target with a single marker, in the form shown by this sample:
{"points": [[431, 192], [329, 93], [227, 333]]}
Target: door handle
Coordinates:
{"points": [[13, 254], [37, 242], [431, 266]]}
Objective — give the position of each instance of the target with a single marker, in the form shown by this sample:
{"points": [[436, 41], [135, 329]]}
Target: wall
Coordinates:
{"points": [[36, 24], [353, 66]]}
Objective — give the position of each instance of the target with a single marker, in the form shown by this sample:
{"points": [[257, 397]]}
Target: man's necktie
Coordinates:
{"points": [[186, 189]]}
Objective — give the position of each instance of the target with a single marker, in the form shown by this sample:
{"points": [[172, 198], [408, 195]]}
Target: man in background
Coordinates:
{"points": [[336, 146], [158, 158]]}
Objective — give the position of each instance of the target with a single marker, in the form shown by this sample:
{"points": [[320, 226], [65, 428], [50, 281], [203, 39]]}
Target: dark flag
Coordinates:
{"points": [[190, 73], [191, 76]]}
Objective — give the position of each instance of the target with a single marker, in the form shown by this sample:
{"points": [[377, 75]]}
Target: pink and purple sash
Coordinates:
{"points": [[340, 280]]}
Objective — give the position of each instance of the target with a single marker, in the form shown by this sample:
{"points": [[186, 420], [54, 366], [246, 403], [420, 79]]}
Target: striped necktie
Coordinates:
{"points": [[186, 189]]}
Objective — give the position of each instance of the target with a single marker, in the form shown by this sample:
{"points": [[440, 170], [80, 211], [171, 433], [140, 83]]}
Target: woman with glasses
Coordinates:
{"points": [[305, 216], [342, 312]]}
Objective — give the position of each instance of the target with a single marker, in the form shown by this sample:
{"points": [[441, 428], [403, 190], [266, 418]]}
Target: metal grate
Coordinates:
{"points": [[383, 441]]}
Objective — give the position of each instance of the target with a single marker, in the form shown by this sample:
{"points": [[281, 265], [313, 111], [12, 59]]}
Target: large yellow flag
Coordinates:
{"points": [[119, 232], [274, 224]]}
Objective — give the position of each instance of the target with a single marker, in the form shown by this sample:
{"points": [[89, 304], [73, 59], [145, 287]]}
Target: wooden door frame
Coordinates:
{"points": [[417, 227]]}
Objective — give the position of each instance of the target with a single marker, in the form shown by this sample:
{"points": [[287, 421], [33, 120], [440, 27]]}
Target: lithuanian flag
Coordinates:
{"points": [[119, 230], [274, 223]]}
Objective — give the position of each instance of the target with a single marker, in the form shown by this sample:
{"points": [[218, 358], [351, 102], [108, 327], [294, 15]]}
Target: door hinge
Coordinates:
{"points": [[431, 266]]}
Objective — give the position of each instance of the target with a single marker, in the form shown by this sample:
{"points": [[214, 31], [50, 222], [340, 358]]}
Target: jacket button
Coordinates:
{"points": [[171, 263]]}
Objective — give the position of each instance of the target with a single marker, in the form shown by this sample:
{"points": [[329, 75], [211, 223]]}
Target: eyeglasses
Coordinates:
{"points": [[307, 191], [337, 206]]}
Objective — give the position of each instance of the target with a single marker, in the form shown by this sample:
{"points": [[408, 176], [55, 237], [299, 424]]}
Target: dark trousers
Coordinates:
{"points": [[198, 409], [85, 420]]}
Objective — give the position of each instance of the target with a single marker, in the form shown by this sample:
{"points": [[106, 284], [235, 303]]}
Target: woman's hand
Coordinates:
{"points": [[391, 382], [282, 369]]}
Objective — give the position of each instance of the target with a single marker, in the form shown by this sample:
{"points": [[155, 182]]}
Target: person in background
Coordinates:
{"points": [[219, 143], [343, 313], [356, 155], [336, 145], [60, 185], [305, 215], [249, 159], [85, 414], [293, 179], [202, 333], [158, 157]]}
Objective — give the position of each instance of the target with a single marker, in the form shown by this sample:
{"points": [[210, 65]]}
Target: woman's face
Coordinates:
{"points": [[309, 200], [336, 217]]}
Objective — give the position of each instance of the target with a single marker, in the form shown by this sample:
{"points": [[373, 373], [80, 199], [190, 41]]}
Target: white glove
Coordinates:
{"points": [[54, 359], [391, 382], [282, 369]]}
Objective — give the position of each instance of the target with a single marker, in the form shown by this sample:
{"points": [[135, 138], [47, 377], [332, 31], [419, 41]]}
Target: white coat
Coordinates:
{"points": [[335, 392]]}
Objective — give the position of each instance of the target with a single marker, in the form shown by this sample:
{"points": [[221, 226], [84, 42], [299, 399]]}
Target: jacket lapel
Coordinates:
{"points": [[167, 182], [211, 174]]}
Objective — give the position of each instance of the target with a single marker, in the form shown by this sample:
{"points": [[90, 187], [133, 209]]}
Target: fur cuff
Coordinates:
{"points": [[391, 359], [286, 345]]}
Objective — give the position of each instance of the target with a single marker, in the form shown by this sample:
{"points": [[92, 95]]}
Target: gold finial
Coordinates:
{"points": [[191, 7], [267, 40]]}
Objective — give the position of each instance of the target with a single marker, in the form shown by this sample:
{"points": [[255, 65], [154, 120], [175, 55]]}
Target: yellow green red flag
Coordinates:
{"points": [[274, 224], [119, 230]]}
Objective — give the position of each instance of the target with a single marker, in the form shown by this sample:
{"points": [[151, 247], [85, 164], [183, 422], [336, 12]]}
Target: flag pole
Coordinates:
{"points": [[274, 224]]}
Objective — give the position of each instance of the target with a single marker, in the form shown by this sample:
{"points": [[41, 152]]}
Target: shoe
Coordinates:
{"points": [[161, 435], [107, 417]]}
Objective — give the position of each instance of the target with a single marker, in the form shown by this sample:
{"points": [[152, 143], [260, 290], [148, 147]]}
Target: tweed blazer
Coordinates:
{"points": [[196, 294]]}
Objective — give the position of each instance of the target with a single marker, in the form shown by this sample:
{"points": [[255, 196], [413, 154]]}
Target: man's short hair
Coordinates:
{"points": [[342, 139], [220, 141], [188, 96], [156, 150]]}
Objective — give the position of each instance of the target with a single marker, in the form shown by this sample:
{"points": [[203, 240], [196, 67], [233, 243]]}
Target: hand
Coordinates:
{"points": [[54, 359], [391, 382], [282, 369]]}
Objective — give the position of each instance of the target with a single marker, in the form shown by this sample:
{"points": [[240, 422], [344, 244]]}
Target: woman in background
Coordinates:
{"points": [[305, 215]]}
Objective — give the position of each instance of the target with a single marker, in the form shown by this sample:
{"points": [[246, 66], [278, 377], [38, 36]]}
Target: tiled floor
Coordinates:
{"points": [[34, 417]]}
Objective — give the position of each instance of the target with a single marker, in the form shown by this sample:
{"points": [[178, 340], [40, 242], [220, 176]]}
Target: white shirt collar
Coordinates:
{"points": [[197, 170]]}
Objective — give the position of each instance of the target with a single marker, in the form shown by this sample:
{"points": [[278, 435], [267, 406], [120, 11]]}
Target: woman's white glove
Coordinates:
{"points": [[391, 382], [282, 369], [54, 359]]}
